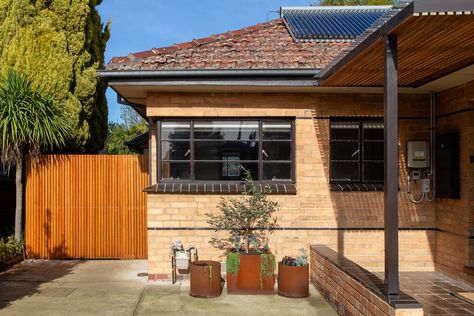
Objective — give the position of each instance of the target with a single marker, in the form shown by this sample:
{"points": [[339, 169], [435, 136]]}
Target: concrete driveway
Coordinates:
{"points": [[114, 288]]}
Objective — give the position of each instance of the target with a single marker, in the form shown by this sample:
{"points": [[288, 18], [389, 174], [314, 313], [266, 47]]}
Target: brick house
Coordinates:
{"points": [[299, 101]]}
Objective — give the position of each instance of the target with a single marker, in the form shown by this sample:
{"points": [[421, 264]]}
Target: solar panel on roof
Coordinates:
{"points": [[330, 23]]}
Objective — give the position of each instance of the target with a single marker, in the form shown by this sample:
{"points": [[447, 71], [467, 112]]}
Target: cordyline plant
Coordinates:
{"points": [[248, 221], [30, 121]]}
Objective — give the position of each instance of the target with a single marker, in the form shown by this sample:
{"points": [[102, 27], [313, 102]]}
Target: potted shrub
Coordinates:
{"points": [[293, 276], [248, 222]]}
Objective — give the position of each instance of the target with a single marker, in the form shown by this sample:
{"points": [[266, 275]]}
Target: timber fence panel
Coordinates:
{"points": [[86, 207]]}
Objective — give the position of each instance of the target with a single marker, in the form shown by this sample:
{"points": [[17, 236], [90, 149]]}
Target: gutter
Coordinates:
{"points": [[207, 73]]}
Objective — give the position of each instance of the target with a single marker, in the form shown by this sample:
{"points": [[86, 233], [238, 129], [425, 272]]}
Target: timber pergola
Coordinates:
{"points": [[414, 44]]}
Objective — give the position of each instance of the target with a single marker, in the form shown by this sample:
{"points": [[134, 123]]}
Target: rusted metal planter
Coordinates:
{"points": [[293, 281], [247, 280], [205, 279]]}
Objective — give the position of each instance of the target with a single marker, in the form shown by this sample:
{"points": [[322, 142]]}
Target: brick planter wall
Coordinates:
{"points": [[352, 290]]}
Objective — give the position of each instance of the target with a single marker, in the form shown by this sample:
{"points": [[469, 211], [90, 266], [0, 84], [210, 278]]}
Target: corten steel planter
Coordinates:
{"points": [[247, 280], [293, 281], [205, 279]]}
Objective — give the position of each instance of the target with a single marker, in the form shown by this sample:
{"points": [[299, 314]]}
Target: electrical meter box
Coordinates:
{"points": [[418, 154]]}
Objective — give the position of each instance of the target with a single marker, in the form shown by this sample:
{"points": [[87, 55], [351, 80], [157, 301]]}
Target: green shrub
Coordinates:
{"points": [[267, 266], [248, 220], [233, 262], [9, 248]]}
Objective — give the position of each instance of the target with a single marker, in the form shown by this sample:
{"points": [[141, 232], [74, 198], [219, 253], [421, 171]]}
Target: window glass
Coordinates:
{"points": [[229, 170], [175, 130], [373, 130], [175, 150], [373, 150], [214, 150], [280, 150], [275, 171], [217, 150], [226, 130], [345, 171], [345, 151], [175, 170], [357, 150], [345, 130], [276, 130], [373, 171]]}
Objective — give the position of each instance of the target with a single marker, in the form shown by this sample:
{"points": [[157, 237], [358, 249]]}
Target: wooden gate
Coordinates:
{"points": [[86, 206]]}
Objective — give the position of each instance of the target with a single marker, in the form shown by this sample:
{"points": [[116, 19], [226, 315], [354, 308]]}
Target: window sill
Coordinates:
{"points": [[345, 187], [286, 188]]}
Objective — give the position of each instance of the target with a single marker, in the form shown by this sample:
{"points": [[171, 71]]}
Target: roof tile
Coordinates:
{"points": [[262, 46]]}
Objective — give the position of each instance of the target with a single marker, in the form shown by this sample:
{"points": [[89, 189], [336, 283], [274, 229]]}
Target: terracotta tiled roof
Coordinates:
{"points": [[262, 46]]}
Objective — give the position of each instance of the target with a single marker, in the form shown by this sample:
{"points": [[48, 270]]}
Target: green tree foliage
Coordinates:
{"points": [[355, 2], [60, 44], [31, 121], [132, 125]]}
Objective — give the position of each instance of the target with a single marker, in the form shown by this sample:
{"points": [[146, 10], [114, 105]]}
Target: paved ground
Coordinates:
{"points": [[113, 288], [435, 291]]}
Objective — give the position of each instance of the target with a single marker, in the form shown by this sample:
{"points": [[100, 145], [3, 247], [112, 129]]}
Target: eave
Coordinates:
{"points": [[436, 39]]}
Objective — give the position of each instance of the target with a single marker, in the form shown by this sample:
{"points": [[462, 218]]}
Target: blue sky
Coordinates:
{"points": [[143, 24]]}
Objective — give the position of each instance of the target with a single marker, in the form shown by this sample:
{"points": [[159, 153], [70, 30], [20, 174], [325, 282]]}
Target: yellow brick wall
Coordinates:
{"points": [[314, 205], [454, 218]]}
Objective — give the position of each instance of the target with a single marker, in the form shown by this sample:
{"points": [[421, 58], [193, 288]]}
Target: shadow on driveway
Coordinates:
{"points": [[26, 278]]}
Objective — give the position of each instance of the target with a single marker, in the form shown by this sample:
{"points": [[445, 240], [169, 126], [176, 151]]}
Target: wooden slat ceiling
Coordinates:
{"points": [[429, 47]]}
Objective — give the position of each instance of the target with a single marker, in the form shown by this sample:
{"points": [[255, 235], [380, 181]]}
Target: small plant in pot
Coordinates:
{"points": [[293, 276], [248, 222]]}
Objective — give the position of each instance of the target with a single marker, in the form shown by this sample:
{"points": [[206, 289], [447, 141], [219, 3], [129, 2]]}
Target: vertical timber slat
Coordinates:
{"points": [[86, 206]]}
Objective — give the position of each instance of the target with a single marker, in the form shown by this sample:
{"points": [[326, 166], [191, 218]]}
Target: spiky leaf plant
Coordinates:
{"points": [[30, 121]]}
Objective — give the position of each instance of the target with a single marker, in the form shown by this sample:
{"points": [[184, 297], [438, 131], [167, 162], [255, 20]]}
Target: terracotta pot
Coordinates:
{"points": [[247, 280], [205, 279], [293, 281]]}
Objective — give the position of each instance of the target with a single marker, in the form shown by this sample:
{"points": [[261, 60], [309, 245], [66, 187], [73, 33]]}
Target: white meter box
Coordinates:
{"points": [[418, 153]]}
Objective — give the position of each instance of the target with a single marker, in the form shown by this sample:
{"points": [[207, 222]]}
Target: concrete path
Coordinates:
{"points": [[113, 288]]}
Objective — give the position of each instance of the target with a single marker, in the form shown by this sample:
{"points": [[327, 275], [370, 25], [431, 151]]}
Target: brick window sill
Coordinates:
{"points": [[217, 188], [345, 187]]}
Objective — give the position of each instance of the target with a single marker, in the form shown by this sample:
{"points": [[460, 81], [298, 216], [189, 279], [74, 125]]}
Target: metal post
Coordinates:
{"points": [[391, 165]]}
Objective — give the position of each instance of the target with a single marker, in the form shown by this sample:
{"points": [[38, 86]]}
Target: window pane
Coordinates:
{"points": [[224, 170], [175, 170], [175, 130], [344, 150], [276, 150], [373, 171], [226, 130], [276, 171], [345, 130], [373, 130], [276, 130], [344, 171], [218, 150], [175, 150], [373, 150]]}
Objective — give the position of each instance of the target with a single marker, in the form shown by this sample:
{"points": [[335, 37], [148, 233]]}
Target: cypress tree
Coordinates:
{"points": [[60, 44]]}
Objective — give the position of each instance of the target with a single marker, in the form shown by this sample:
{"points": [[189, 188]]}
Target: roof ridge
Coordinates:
{"points": [[196, 42]]}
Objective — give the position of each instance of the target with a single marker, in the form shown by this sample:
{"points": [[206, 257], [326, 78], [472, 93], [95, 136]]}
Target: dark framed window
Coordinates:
{"points": [[356, 151], [204, 149]]}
